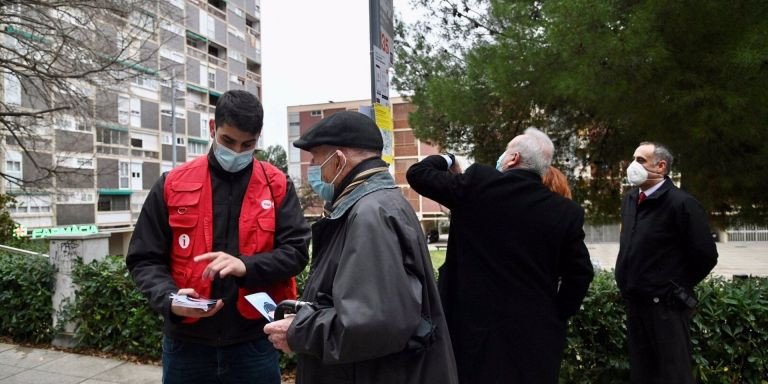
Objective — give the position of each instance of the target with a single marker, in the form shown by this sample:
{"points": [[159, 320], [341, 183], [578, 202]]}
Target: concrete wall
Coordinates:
{"points": [[74, 178], [149, 113], [150, 173], [107, 173], [75, 214], [37, 177], [70, 141]]}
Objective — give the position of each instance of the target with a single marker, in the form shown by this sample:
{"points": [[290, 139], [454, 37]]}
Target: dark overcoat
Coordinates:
{"points": [[516, 268], [372, 287]]}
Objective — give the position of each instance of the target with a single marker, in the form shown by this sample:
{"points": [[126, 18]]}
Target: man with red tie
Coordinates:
{"points": [[665, 250]]}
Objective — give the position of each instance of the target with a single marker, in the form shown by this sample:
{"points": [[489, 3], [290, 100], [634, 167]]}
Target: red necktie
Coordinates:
{"points": [[640, 198]]}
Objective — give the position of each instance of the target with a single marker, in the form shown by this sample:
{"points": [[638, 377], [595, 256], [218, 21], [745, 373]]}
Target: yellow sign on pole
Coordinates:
{"points": [[384, 121]]}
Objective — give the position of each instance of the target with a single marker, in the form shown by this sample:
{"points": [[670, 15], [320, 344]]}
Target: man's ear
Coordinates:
{"points": [[514, 160], [212, 128]]}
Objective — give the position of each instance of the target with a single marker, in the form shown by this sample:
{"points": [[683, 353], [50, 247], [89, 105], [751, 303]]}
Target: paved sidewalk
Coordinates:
{"points": [[749, 259], [21, 365]]}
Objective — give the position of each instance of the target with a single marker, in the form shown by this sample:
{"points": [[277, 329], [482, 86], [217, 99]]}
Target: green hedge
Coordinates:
{"points": [[729, 330], [729, 333], [26, 286], [113, 316]]}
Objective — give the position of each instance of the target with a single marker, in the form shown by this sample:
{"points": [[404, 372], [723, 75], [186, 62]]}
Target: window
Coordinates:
{"points": [[166, 111], [32, 204], [111, 136], [171, 27], [172, 55], [125, 180], [293, 128], [145, 82], [197, 148], [12, 88], [74, 161], [178, 3], [316, 113], [234, 32], [69, 123], [113, 203], [138, 143], [123, 110], [237, 79], [84, 163], [137, 200], [236, 55], [13, 170], [74, 197], [212, 79], [168, 139]]}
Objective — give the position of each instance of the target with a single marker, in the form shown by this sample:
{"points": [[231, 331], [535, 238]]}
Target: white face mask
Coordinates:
{"points": [[637, 174]]}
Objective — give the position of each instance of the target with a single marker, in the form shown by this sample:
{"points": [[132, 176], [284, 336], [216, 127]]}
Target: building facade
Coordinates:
{"points": [[407, 151], [106, 165]]}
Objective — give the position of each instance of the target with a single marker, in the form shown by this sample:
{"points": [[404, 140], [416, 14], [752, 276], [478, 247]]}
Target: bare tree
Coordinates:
{"points": [[55, 57]]}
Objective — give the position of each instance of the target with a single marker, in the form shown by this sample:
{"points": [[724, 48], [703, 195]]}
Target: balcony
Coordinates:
{"points": [[197, 54], [253, 76], [200, 107], [215, 11], [113, 217]]}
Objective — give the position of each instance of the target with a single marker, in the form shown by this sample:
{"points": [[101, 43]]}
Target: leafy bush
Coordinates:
{"points": [[112, 315], [729, 333], [26, 286], [596, 349]]}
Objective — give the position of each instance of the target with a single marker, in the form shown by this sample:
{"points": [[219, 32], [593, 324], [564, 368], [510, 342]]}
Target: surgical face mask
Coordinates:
{"points": [[315, 176], [230, 160], [498, 162], [637, 174]]}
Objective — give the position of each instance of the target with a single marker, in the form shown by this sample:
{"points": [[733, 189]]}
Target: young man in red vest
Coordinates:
{"points": [[221, 226]]}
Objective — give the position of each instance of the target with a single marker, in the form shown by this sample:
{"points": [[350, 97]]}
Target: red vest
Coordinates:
{"points": [[190, 214]]}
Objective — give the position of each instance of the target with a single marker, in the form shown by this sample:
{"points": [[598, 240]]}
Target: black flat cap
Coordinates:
{"points": [[344, 129]]}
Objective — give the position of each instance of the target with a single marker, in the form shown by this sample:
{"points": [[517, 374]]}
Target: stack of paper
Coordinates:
{"points": [[191, 302]]}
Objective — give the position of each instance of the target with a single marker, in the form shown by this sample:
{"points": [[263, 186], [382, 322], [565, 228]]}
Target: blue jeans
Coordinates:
{"points": [[253, 362]]}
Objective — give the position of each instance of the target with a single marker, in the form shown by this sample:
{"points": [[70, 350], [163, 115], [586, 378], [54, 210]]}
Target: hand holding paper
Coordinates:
{"points": [[188, 303]]}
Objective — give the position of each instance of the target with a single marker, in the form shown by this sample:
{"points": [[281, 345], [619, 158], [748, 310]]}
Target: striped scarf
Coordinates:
{"points": [[359, 179]]}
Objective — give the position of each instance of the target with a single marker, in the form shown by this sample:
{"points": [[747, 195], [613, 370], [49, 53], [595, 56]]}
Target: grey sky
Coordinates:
{"points": [[313, 52]]}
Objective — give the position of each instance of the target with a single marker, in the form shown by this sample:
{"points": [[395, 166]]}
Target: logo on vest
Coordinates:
{"points": [[266, 204], [184, 241]]}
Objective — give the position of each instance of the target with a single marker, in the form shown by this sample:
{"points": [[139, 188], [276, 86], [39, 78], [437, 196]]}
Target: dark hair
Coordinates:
{"points": [[240, 109]]}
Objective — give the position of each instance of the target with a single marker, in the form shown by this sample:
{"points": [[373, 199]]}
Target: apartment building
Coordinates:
{"points": [[407, 151], [106, 165]]}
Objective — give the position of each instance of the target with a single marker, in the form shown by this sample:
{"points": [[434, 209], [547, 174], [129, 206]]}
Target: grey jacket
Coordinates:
{"points": [[373, 290]]}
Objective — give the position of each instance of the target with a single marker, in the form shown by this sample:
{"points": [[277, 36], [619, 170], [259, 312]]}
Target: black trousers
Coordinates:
{"points": [[659, 344]]}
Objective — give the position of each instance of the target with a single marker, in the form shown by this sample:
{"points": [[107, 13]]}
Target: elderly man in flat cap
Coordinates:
{"points": [[374, 316]]}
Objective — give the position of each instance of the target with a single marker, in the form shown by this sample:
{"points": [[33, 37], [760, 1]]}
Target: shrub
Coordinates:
{"points": [[112, 315], [26, 286], [729, 333]]}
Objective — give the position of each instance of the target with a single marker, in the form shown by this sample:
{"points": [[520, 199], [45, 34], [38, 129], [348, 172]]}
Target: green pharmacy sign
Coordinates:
{"points": [[41, 233]]}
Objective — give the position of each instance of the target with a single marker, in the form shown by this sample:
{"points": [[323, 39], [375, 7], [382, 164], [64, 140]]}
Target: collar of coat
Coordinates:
{"points": [[666, 185], [376, 182]]}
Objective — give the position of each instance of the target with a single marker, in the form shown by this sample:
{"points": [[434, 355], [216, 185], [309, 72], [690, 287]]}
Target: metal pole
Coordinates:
{"points": [[373, 21], [173, 117]]}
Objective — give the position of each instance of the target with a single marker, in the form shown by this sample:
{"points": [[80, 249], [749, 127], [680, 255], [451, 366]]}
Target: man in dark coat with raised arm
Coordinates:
{"points": [[516, 267]]}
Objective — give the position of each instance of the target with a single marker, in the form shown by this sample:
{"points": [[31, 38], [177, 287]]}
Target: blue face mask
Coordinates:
{"points": [[315, 177], [498, 162], [230, 160]]}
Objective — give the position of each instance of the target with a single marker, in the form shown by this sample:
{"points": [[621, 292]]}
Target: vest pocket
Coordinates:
{"points": [[183, 227]]}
